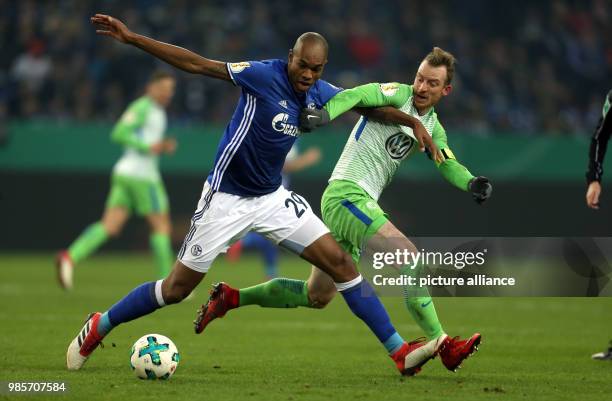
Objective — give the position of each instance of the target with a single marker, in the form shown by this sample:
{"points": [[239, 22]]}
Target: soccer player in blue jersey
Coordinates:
{"points": [[243, 192]]}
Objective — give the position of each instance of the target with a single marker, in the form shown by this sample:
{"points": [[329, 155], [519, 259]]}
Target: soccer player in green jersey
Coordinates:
{"points": [[349, 206], [597, 151], [136, 184]]}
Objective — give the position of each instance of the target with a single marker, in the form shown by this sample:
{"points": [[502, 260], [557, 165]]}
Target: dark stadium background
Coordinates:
{"points": [[529, 88]]}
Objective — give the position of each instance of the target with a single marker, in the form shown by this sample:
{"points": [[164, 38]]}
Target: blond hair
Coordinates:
{"points": [[438, 57]]}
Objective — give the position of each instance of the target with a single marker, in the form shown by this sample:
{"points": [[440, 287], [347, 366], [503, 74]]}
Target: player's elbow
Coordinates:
{"points": [[381, 114], [117, 136], [195, 67]]}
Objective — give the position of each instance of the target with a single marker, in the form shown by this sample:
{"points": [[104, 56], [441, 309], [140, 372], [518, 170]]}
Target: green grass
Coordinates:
{"points": [[533, 348]]}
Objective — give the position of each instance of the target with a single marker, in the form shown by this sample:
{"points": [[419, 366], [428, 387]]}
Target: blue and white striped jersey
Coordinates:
{"points": [[252, 151]]}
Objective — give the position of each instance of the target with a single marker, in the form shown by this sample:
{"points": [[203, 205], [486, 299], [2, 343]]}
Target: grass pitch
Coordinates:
{"points": [[533, 348]]}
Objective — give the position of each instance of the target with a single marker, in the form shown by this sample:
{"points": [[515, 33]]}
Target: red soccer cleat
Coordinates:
{"points": [[222, 298], [453, 351], [84, 343], [411, 356], [65, 269]]}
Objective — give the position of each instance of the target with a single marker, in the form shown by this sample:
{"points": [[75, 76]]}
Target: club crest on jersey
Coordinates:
{"points": [[389, 89], [398, 145], [239, 67], [196, 250], [280, 124]]}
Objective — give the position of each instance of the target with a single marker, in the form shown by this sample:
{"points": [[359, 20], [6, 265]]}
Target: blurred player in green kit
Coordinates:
{"points": [[136, 184]]}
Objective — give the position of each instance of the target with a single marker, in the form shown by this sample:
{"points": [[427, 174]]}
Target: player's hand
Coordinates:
{"points": [[592, 195], [426, 142], [167, 146], [157, 148], [311, 119], [110, 26], [312, 156], [481, 189], [170, 146]]}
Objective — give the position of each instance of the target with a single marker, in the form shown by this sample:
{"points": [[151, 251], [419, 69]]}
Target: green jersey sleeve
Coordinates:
{"points": [[369, 95], [453, 171], [125, 131]]}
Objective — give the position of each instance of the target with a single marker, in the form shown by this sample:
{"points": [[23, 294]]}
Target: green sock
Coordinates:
{"points": [[162, 250], [422, 309], [276, 293], [90, 240]]}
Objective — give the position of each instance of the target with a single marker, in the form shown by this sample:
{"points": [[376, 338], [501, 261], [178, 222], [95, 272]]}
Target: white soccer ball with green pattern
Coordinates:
{"points": [[154, 357]]}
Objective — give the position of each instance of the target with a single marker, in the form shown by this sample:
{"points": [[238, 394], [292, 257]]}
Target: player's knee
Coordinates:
{"points": [[162, 228], [160, 224], [113, 231], [345, 267]]}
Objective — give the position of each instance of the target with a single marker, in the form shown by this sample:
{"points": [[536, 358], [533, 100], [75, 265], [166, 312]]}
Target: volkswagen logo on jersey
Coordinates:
{"points": [[398, 145], [196, 250], [279, 123]]}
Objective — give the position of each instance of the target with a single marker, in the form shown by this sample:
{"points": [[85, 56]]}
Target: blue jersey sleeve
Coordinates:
{"points": [[326, 92], [254, 76]]}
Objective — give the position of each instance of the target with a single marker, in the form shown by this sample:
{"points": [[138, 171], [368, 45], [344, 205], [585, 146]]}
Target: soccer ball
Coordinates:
{"points": [[153, 357]]}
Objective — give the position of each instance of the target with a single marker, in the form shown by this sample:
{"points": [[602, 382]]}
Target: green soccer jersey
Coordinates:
{"points": [[374, 150], [140, 126]]}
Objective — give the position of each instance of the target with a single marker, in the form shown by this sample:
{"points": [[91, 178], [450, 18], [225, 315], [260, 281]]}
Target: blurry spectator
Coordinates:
{"points": [[31, 68], [524, 67]]}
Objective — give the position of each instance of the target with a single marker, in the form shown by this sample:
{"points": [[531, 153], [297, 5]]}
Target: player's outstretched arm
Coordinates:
{"points": [[457, 174], [179, 57], [368, 96]]}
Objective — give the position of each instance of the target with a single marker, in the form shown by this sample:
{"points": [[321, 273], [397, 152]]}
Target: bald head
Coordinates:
{"points": [[306, 60], [311, 39]]}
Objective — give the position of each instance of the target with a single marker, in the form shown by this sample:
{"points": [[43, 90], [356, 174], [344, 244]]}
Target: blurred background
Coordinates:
{"points": [[529, 88]]}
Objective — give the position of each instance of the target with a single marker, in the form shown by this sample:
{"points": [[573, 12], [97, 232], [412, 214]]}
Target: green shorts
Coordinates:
{"points": [[140, 196], [351, 215]]}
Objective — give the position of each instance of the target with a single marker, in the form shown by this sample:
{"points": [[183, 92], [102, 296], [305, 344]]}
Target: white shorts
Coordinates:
{"points": [[221, 219]]}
